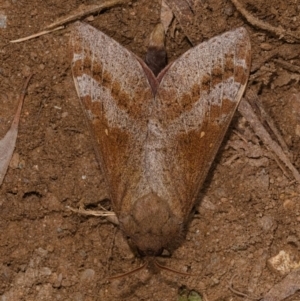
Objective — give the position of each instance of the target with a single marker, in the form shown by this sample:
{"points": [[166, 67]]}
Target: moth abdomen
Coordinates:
{"points": [[152, 226]]}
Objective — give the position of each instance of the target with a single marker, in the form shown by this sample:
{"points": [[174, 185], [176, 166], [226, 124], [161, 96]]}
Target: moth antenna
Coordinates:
{"points": [[129, 273], [171, 270]]}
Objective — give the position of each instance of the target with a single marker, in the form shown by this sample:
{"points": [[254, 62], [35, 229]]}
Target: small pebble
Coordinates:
{"points": [[21, 164], [14, 162], [78, 297], [266, 46], [82, 253], [57, 280], [41, 252], [90, 18], [228, 10], [45, 271], [3, 19], [87, 275], [26, 71], [266, 222], [282, 263], [297, 130], [288, 204], [33, 13]]}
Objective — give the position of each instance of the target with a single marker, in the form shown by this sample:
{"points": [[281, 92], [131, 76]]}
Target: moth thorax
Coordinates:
{"points": [[151, 226]]}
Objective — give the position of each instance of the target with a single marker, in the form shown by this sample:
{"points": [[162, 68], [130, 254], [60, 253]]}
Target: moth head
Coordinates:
{"points": [[151, 226]]}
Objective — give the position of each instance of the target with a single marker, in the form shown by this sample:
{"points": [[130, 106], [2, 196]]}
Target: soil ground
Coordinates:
{"points": [[250, 208]]}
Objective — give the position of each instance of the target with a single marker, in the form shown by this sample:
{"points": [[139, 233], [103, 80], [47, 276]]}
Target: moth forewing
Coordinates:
{"points": [[115, 95], [195, 102], [156, 138]]}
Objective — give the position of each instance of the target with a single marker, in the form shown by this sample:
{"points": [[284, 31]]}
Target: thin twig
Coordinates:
{"points": [[184, 14], [21, 100], [110, 250], [246, 110], [285, 34], [41, 33], [287, 65], [238, 293], [267, 121], [280, 165], [79, 13], [83, 211]]}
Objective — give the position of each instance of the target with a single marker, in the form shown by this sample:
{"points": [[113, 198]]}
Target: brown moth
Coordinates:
{"points": [[156, 137]]}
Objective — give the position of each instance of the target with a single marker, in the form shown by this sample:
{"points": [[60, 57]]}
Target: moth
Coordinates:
{"points": [[156, 137]]}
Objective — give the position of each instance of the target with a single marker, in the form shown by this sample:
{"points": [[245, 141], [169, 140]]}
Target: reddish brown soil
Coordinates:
{"points": [[250, 210]]}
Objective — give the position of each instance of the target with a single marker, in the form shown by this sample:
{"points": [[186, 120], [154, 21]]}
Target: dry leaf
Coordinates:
{"points": [[8, 142]]}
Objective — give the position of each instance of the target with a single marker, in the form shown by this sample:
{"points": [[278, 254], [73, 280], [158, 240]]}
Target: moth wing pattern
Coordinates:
{"points": [[194, 104], [116, 97], [155, 138]]}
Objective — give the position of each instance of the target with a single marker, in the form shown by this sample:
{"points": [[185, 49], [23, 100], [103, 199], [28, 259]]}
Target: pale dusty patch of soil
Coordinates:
{"points": [[250, 210]]}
